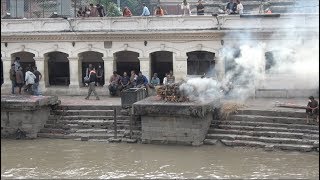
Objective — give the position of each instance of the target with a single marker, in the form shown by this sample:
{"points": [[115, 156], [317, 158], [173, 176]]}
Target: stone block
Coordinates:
{"points": [[210, 141]]}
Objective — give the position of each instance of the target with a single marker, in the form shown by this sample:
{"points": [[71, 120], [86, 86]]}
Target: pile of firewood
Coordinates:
{"points": [[171, 93]]}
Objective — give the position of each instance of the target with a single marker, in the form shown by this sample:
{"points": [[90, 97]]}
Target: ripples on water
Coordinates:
{"points": [[47, 158]]}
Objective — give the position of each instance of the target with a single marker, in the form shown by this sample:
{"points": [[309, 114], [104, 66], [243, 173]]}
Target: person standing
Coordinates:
{"points": [[145, 11], [114, 83], [29, 78], [93, 11], [19, 78], [200, 8], [100, 10], [100, 75], [165, 79], [12, 73], [36, 81], [92, 84], [86, 77], [185, 6], [16, 63], [239, 7]]}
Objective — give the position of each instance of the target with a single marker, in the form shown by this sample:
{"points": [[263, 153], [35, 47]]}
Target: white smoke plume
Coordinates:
{"points": [[201, 89]]}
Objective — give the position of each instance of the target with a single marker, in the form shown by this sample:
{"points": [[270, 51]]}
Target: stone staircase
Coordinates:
{"points": [[286, 130], [89, 123]]}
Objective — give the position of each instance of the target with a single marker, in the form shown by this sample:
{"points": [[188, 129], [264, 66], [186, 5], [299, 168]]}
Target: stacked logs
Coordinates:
{"points": [[171, 93]]}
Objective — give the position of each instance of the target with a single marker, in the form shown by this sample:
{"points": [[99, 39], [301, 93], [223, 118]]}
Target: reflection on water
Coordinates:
{"points": [[47, 158]]}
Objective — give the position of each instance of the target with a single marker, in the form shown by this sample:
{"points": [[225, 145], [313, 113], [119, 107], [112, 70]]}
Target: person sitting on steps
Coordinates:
{"points": [[312, 109]]}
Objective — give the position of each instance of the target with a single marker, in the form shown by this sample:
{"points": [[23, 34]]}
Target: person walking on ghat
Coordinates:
{"points": [[13, 78], [92, 84]]}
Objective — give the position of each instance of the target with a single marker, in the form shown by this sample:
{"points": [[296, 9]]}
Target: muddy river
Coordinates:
{"points": [[52, 158]]}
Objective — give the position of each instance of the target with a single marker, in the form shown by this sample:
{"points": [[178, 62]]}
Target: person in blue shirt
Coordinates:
{"points": [[142, 81], [145, 11], [155, 81]]}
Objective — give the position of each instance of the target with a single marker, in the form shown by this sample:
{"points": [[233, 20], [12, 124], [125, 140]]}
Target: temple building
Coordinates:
{"points": [[61, 48]]}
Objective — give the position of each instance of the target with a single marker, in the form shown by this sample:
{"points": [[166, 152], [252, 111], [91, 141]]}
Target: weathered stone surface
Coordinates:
{"points": [[154, 106], [210, 141], [114, 139], [269, 148], [27, 102]]}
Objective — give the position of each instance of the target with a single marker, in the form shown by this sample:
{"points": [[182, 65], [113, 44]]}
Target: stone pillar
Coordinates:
{"points": [[180, 67], [109, 66], [40, 66], [6, 72], [46, 71], [74, 72], [145, 67]]}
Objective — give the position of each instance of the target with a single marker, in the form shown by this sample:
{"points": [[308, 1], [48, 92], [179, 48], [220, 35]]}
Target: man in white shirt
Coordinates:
{"points": [[145, 11]]}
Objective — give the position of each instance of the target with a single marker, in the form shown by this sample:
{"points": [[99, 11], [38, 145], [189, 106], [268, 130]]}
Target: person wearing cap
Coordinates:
{"points": [[312, 109]]}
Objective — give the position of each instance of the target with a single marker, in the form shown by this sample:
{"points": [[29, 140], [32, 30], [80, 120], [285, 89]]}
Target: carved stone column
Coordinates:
{"points": [[145, 66], [109, 66], [40, 64], [6, 72], [180, 67], [74, 72]]}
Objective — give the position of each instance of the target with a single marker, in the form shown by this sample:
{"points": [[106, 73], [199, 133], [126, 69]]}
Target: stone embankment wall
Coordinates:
{"points": [[173, 123], [25, 113]]}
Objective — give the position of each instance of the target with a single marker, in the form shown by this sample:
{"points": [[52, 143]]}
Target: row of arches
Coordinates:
{"points": [[58, 67]]}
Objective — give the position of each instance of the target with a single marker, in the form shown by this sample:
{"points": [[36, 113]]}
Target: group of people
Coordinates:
{"points": [[119, 83], [91, 11], [30, 79], [234, 7]]}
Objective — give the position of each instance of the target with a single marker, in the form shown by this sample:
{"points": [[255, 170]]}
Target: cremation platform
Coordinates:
{"points": [[174, 122]]}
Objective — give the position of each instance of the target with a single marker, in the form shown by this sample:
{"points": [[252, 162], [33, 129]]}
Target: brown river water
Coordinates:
{"points": [[54, 158]]}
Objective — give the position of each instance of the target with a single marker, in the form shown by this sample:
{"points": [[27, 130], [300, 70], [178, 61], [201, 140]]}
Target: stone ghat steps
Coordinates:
{"points": [[269, 119], [88, 117], [79, 135], [263, 139], [265, 133], [83, 112], [267, 128], [269, 146], [264, 124], [86, 107], [283, 113]]}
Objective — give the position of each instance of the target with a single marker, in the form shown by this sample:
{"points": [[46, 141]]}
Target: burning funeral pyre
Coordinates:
{"points": [[172, 93]]}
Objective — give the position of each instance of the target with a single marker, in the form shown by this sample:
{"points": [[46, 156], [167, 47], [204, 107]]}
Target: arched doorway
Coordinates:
{"points": [[126, 61], [94, 58], [26, 60], [58, 69], [201, 62], [161, 63]]}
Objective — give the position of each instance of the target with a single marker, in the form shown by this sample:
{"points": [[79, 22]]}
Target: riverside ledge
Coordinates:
{"points": [[25, 113]]}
